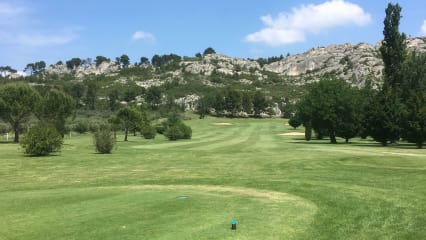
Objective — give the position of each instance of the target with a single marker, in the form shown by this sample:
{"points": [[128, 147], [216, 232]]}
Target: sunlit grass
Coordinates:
{"points": [[276, 187]]}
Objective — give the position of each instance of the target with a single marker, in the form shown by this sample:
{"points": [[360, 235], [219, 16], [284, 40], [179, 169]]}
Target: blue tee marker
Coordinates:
{"points": [[234, 225]]}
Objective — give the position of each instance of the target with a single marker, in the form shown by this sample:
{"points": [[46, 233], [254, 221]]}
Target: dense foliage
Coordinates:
{"points": [[104, 140], [41, 141]]}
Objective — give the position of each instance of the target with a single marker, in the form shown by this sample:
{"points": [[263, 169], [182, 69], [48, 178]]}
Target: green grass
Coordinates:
{"points": [[276, 187]]}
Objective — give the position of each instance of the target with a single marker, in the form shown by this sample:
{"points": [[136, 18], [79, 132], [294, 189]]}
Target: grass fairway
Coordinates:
{"points": [[276, 186]]}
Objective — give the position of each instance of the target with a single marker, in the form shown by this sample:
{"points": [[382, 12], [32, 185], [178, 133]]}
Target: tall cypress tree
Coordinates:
{"points": [[394, 48], [386, 112]]}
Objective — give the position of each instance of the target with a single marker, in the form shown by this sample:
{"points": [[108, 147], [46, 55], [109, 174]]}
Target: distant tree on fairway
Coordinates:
{"points": [[17, 102], [54, 108], [385, 117], [414, 97], [130, 118], [330, 107], [42, 141]]}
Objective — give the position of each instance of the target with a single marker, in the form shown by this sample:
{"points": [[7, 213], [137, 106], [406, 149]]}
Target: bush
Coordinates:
{"points": [[187, 132], [94, 126], [81, 127], [104, 140], [148, 131], [41, 141], [294, 122], [173, 133], [160, 128], [178, 131], [4, 128]]}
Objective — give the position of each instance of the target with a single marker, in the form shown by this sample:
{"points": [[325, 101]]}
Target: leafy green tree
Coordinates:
{"points": [[77, 91], [42, 141], [330, 107], [144, 61], [414, 97], [130, 118], [73, 63], [247, 102], [113, 98], [385, 117], [233, 101], [153, 97], [100, 59], [259, 103], [203, 106], [6, 70], [393, 47], [54, 108], [208, 51], [415, 122], [29, 68], [124, 60], [17, 102], [91, 95], [219, 103]]}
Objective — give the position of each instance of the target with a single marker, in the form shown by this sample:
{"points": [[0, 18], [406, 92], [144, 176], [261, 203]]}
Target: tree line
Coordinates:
{"points": [[395, 111]]}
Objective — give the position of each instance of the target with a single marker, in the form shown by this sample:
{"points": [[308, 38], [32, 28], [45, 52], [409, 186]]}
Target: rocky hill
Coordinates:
{"points": [[354, 63]]}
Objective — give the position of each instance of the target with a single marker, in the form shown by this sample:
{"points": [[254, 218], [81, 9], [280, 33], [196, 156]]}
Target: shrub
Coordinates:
{"points": [[294, 122], [81, 127], [173, 133], [94, 126], [148, 131], [41, 141], [104, 140], [160, 128], [4, 128], [187, 131]]}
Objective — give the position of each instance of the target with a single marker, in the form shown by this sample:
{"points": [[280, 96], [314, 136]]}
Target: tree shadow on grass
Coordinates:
{"points": [[356, 143]]}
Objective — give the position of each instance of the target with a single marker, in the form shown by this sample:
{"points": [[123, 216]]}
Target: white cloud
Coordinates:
{"points": [[423, 29], [141, 35], [9, 11], [293, 27]]}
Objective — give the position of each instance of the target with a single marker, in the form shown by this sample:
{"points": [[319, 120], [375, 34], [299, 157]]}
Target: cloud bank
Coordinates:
{"points": [[294, 27]]}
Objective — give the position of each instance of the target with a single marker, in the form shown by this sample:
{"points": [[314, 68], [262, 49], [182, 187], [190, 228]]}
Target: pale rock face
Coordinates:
{"points": [[103, 68], [351, 62], [189, 102]]}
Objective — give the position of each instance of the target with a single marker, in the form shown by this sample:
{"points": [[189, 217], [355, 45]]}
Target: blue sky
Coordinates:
{"points": [[53, 30]]}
